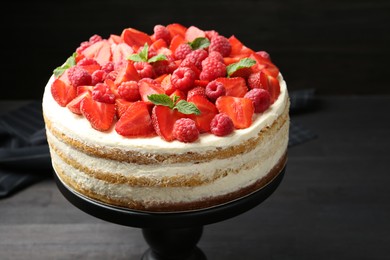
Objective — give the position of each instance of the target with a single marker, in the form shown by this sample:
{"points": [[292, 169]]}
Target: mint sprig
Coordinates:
{"points": [[199, 43], [182, 106], [70, 62], [243, 63], [143, 56]]}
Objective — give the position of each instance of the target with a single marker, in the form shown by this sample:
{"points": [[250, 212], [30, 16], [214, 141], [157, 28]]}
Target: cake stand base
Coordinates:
{"points": [[171, 235]]}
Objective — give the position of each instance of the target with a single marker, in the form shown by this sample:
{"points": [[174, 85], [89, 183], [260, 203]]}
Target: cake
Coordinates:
{"points": [[175, 120]]}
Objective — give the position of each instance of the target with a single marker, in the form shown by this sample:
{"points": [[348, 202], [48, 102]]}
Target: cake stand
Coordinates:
{"points": [[171, 236]]}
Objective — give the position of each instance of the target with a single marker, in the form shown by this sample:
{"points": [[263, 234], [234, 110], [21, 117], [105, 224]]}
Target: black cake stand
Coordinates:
{"points": [[171, 236]]}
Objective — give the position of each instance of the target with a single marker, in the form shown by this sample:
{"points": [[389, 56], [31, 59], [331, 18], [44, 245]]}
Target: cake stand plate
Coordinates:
{"points": [[174, 235]]}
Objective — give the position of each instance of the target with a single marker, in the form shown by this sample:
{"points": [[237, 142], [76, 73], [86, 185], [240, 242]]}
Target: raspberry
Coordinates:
{"points": [[261, 99], [185, 130], [183, 78], [211, 34], [129, 90], [212, 69], [221, 125], [79, 76], [87, 61], [161, 32], [112, 75], [144, 69], [163, 67], [108, 67], [220, 44], [196, 91], [214, 90], [102, 93], [182, 51], [98, 76], [216, 55], [254, 80], [194, 58], [95, 38]]}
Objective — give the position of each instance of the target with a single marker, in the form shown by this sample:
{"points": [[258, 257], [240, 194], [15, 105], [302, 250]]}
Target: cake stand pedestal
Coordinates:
{"points": [[171, 236]]}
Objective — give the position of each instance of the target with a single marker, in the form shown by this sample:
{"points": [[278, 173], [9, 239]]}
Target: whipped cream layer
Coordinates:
{"points": [[78, 128]]}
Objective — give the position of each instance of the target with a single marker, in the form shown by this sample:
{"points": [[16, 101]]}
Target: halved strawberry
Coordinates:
{"points": [[148, 87], [207, 112], [194, 32], [176, 29], [239, 50], [74, 105], [264, 64], [240, 110], [175, 42], [100, 51], [271, 84], [121, 106], [100, 115], [82, 89], [182, 95], [126, 72], [135, 39], [201, 83], [62, 92], [157, 45], [163, 119], [167, 85], [235, 87], [136, 121], [115, 39], [120, 52]]}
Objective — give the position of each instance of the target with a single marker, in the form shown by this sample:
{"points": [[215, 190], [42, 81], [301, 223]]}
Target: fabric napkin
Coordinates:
{"points": [[24, 152]]}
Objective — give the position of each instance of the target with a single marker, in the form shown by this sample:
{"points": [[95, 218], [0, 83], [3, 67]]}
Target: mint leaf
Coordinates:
{"points": [[70, 62], [157, 58], [135, 57], [243, 63], [161, 99], [187, 107], [141, 56], [199, 43]]}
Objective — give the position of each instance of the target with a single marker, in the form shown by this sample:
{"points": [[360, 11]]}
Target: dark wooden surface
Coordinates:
{"points": [[332, 204], [338, 47]]}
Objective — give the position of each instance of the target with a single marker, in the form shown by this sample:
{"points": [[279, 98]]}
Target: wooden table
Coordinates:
{"points": [[334, 202]]}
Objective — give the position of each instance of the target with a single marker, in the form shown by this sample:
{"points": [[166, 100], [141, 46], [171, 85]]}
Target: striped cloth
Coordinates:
{"points": [[24, 152]]}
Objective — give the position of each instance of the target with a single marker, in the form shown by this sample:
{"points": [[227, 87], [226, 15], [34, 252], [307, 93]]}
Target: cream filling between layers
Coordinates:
{"points": [[155, 195], [78, 128]]}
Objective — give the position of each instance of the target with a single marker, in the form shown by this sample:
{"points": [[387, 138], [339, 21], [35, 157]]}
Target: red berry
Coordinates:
{"points": [[240, 110], [221, 125], [87, 61], [264, 54], [163, 67], [144, 69], [182, 51], [214, 90], [102, 93], [194, 58], [261, 99], [100, 115], [216, 55], [185, 130], [254, 80], [98, 76], [108, 67], [129, 91], [212, 69], [79, 76], [161, 32], [95, 38], [183, 78], [220, 44], [196, 91]]}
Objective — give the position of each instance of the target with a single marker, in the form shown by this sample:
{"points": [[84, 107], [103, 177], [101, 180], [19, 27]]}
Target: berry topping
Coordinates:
{"points": [[100, 115], [214, 90], [235, 87], [212, 69], [163, 119], [161, 32], [183, 78], [260, 98], [195, 58], [79, 76], [129, 91], [144, 69], [102, 93], [62, 92], [98, 76], [221, 125], [207, 112], [196, 91], [220, 44], [240, 110], [185, 130]]}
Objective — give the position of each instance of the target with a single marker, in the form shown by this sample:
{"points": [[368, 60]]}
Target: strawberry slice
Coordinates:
{"points": [[126, 72], [100, 51], [82, 89], [207, 112], [264, 64], [135, 39], [240, 110], [136, 121], [235, 87], [74, 105], [239, 50], [62, 92], [167, 85], [121, 106], [148, 87], [163, 119], [176, 29], [181, 94], [194, 32], [157, 45], [120, 52], [115, 39], [271, 84], [100, 115], [175, 42]]}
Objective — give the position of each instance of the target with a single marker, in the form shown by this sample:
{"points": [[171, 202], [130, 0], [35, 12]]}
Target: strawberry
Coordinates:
{"points": [[100, 115], [74, 105], [238, 49], [265, 81], [62, 92], [121, 106], [176, 29], [126, 72], [207, 112], [240, 110], [176, 41], [135, 39], [167, 85], [115, 39], [136, 121], [156, 46], [264, 64], [82, 89], [235, 87], [90, 65], [180, 94], [163, 119], [194, 32], [100, 51], [149, 87], [120, 52]]}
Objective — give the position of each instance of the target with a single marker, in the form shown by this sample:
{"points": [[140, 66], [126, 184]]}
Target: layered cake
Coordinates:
{"points": [[173, 120]]}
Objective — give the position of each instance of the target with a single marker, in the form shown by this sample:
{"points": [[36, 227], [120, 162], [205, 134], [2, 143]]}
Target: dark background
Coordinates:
{"points": [[336, 47]]}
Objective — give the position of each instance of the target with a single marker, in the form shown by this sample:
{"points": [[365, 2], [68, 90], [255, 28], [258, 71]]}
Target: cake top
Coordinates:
{"points": [[176, 83]]}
